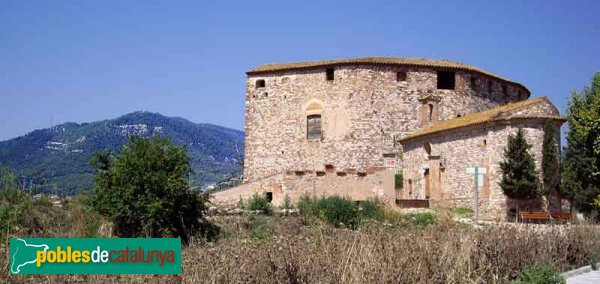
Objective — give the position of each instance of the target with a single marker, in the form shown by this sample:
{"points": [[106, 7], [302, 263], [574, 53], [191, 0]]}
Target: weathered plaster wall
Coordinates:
{"points": [[362, 109]]}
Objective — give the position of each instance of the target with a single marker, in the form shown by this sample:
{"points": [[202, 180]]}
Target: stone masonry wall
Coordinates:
{"points": [[361, 111], [481, 146]]}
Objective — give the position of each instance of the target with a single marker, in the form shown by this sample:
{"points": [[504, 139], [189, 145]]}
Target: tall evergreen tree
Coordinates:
{"points": [[581, 172], [519, 177], [550, 165]]}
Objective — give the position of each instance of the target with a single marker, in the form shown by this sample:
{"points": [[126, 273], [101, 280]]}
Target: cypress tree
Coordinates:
{"points": [[550, 165], [519, 177]]}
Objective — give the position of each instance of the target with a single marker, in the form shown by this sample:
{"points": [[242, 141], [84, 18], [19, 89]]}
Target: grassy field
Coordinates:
{"points": [[277, 249]]}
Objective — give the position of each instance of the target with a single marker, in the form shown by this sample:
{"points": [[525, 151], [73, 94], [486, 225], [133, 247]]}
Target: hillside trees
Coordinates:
{"points": [[143, 189], [581, 172], [7, 178]]}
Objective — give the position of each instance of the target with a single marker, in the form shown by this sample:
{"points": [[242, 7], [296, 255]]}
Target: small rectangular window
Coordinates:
{"points": [[401, 76], [313, 126], [329, 72], [474, 83], [446, 80]]}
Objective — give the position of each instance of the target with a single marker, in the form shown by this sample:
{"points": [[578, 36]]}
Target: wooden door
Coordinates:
{"points": [[427, 184]]}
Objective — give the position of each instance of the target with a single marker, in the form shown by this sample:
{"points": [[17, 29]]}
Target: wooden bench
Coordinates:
{"points": [[562, 216], [539, 216]]}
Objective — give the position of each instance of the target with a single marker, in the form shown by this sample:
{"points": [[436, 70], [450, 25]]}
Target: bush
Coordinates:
{"points": [[335, 210], [372, 209], [398, 181], [144, 190], [421, 219], [258, 203], [260, 228], [462, 212], [543, 274]]}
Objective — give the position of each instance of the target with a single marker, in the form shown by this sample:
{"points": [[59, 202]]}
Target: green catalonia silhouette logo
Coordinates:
{"points": [[95, 256]]}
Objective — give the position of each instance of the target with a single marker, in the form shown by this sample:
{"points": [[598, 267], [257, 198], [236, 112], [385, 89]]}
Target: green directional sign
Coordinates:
{"points": [[95, 256]]}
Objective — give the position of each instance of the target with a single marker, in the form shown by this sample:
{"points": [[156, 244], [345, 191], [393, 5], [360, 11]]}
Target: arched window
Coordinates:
{"points": [[313, 126], [260, 83]]}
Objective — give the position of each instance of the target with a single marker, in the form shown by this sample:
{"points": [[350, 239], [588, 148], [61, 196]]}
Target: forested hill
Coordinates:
{"points": [[56, 159]]}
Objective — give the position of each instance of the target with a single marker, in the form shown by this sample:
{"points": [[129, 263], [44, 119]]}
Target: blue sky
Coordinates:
{"points": [[82, 61]]}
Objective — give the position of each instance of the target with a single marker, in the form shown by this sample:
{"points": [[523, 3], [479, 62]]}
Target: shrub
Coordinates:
{"points": [[287, 203], [258, 203], [260, 228], [462, 212], [144, 190], [398, 181], [594, 260], [372, 209], [421, 219], [335, 210], [543, 274]]}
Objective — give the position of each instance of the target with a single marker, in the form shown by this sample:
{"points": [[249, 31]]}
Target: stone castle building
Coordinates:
{"points": [[350, 127]]}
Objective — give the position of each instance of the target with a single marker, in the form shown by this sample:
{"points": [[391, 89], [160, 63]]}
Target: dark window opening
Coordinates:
{"points": [[342, 174], [430, 112], [362, 174], [329, 73], [401, 76], [299, 173], [446, 80], [313, 126], [490, 86], [320, 173], [484, 142], [459, 115], [474, 83], [260, 83], [504, 90], [269, 197]]}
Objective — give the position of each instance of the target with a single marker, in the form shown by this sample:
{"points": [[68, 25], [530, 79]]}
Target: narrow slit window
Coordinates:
{"points": [[313, 126], [329, 74], [474, 83], [446, 80], [401, 76], [260, 83]]}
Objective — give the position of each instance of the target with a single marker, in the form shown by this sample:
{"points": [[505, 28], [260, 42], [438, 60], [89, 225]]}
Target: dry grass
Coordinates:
{"points": [[375, 253]]}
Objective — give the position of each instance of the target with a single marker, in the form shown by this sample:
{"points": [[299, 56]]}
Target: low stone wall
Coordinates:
{"points": [[378, 184]]}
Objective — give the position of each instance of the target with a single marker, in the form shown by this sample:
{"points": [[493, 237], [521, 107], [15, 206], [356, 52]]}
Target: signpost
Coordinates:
{"points": [[478, 172]]}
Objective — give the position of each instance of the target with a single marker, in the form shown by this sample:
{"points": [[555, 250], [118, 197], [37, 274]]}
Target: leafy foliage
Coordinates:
{"points": [[398, 181], [144, 190], [581, 172], [7, 178], [56, 159], [519, 177], [258, 203], [550, 165], [335, 210], [543, 274]]}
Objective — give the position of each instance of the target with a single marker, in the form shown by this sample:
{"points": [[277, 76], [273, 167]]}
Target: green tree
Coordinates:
{"points": [[550, 164], [7, 178], [519, 177], [144, 190], [581, 178]]}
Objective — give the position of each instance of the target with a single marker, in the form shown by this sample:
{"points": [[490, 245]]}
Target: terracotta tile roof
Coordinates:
{"points": [[409, 62], [505, 112]]}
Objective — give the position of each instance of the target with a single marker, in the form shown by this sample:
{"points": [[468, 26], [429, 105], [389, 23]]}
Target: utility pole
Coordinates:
{"points": [[479, 173]]}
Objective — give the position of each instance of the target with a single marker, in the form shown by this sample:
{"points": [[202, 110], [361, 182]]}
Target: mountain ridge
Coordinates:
{"points": [[56, 159]]}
